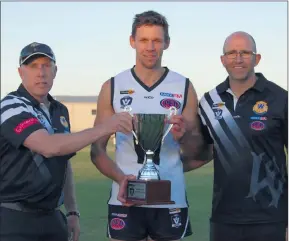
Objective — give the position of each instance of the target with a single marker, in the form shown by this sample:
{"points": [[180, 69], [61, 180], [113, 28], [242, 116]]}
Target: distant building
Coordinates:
{"points": [[82, 110]]}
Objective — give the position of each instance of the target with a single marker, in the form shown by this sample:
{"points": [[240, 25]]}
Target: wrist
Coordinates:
{"points": [[119, 178], [72, 213], [100, 131]]}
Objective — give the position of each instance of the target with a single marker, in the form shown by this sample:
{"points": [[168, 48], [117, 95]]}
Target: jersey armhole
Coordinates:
{"points": [[111, 91], [186, 93]]}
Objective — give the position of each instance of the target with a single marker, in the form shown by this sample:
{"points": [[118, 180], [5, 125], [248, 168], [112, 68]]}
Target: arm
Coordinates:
{"points": [[191, 164], [20, 127], [206, 154], [98, 152], [63, 144], [69, 191], [70, 204], [193, 145], [285, 125]]}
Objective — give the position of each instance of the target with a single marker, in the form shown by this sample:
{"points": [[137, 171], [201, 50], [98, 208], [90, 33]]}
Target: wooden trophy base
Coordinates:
{"points": [[152, 192]]}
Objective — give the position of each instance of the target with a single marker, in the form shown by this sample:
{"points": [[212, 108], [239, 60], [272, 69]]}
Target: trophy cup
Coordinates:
{"points": [[149, 131]]}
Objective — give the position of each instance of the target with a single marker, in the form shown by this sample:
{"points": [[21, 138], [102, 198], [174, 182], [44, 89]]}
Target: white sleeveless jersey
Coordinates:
{"points": [[170, 90]]}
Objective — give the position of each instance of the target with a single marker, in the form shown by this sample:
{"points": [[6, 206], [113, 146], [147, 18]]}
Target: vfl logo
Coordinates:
{"points": [[270, 182], [218, 113], [260, 107], [167, 103], [257, 125], [176, 221], [125, 101], [216, 107]]}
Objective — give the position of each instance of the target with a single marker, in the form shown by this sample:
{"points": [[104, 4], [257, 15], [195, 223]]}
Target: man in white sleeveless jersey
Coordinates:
{"points": [[148, 87]]}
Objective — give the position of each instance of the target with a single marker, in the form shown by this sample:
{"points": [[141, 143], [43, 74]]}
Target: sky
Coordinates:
{"points": [[91, 40]]}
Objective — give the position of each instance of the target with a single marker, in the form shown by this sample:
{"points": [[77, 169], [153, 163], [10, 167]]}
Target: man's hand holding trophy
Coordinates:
{"points": [[149, 131]]}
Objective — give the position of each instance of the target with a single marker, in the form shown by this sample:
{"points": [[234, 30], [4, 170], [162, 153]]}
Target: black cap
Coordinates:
{"points": [[35, 49]]}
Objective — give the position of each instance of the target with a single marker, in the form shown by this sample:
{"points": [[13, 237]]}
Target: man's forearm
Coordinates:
{"points": [[193, 145], [104, 163], [195, 159], [69, 191], [189, 164]]}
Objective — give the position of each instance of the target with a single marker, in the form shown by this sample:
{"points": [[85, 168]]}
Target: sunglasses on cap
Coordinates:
{"points": [[35, 49]]}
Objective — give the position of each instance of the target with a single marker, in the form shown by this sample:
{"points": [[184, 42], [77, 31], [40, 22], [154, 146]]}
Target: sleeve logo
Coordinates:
{"points": [[26, 123]]}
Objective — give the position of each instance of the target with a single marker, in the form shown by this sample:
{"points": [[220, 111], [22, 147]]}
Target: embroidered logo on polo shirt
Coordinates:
{"points": [[260, 108], [217, 109], [63, 121], [25, 124], [257, 125]]}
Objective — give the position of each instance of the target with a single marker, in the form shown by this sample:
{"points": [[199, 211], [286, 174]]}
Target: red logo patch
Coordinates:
{"points": [[167, 103], [24, 124], [257, 125], [117, 224]]}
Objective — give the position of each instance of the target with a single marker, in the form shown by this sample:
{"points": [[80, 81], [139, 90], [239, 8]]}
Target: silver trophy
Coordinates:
{"points": [[149, 131]]}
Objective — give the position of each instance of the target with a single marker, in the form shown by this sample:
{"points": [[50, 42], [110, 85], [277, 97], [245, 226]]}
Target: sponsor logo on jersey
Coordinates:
{"points": [[218, 105], [126, 92], [25, 124], [260, 108], [117, 224], [257, 125], [174, 210], [125, 101], [167, 103], [171, 95], [148, 97], [262, 118], [120, 215]]}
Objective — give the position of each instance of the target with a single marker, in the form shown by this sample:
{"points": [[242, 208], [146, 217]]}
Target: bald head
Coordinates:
{"points": [[236, 36]]}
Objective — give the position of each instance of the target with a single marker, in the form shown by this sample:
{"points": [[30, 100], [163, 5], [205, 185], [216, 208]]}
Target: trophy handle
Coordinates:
{"points": [[173, 111], [129, 109]]}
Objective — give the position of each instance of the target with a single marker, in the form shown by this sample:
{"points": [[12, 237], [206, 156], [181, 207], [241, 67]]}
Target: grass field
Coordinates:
{"points": [[92, 190]]}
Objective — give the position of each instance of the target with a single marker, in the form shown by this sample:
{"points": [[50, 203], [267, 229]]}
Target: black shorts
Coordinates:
{"points": [[24, 226], [248, 232], [137, 223]]}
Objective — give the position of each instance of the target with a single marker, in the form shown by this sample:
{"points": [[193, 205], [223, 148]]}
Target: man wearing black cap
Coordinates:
{"points": [[35, 148]]}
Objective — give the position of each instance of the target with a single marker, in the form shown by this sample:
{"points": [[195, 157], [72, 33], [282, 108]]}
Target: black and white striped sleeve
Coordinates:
{"points": [[17, 122], [204, 128]]}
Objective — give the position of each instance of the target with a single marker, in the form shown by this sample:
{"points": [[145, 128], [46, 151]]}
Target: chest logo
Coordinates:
{"points": [[125, 101], [260, 108], [176, 220], [257, 125], [63, 121], [217, 109], [167, 103]]}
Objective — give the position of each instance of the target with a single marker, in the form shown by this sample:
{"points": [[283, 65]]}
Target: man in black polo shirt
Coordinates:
{"points": [[35, 148], [245, 119]]}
